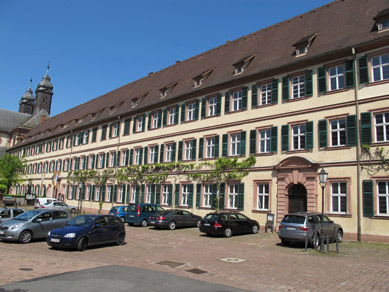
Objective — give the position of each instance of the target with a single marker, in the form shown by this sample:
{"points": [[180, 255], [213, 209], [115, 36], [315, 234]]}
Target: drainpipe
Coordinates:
{"points": [[356, 89]]}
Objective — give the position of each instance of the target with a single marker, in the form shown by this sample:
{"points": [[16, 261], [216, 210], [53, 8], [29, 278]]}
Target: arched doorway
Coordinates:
{"points": [[297, 198]]}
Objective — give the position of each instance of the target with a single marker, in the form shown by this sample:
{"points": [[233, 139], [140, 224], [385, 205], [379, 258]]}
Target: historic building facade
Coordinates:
{"points": [[308, 93]]}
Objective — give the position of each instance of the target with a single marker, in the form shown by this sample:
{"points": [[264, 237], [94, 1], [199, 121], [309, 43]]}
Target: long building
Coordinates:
{"points": [[308, 93]]}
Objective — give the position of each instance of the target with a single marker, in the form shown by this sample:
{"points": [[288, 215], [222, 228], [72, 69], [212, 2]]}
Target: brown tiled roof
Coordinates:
{"points": [[340, 25]]}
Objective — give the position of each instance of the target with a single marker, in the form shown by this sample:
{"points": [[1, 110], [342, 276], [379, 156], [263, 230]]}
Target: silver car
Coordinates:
{"points": [[60, 205], [7, 214], [33, 224]]}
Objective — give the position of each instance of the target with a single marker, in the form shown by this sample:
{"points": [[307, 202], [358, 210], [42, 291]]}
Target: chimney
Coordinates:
{"points": [[43, 119]]}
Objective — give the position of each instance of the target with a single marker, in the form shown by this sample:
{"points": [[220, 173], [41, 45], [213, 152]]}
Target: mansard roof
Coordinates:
{"points": [[339, 25]]}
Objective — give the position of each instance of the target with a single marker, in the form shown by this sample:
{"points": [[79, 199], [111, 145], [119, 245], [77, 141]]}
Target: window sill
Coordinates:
{"points": [[210, 117], [384, 143], [374, 83], [336, 91], [264, 105], [381, 217], [205, 208], [208, 159], [184, 207], [124, 135], [234, 112], [336, 148], [261, 211], [298, 151], [298, 98], [189, 121], [338, 215], [264, 154]]}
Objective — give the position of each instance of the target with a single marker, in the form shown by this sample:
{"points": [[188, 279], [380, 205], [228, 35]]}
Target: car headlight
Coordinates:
{"points": [[70, 235], [15, 226]]}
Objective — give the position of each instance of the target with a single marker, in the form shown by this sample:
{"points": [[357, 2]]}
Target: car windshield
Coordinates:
{"points": [[48, 203], [212, 217], [294, 219], [132, 208], [160, 209], [28, 215], [82, 221]]}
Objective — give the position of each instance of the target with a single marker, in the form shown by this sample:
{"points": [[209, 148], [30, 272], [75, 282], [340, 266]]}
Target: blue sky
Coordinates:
{"points": [[95, 46]]}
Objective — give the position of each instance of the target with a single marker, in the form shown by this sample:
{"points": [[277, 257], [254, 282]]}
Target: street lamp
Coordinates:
{"points": [[80, 196], [323, 175]]}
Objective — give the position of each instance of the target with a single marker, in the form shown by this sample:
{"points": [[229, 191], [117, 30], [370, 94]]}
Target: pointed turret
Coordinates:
{"points": [[26, 104], [44, 94]]}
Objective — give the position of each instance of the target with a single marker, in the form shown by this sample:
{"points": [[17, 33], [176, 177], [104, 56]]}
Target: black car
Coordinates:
{"points": [[227, 224], [174, 218], [88, 230]]}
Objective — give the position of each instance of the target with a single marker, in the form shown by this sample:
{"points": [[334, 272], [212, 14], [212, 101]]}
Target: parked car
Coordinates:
{"points": [[295, 227], [7, 214], [174, 218], [140, 213], [88, 230], [119, 211], [227, 224], [60, 205], [39, 202], [33, 224]]}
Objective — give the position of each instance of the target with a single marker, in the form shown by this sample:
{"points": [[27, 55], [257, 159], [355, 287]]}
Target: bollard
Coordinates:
{"points": [[337, 244], [321, 243], [328, 244], [306, 243]]}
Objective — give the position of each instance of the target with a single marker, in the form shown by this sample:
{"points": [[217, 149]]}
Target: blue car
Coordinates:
{"points": [[119, 211], [87, 230], [140, 213]]}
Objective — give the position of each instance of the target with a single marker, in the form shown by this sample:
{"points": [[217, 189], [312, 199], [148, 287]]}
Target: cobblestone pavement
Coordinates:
{"points": [[253, 262]]}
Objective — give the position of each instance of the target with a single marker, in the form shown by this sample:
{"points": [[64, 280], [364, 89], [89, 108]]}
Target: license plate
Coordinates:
{"points": [[54, 240], [290, 228], [2, 232], [152, 222], [207, 224], [131, 216]]}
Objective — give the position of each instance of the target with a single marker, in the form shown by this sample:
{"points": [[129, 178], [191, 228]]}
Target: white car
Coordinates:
{"points": [[60, 205], [39, 202]]}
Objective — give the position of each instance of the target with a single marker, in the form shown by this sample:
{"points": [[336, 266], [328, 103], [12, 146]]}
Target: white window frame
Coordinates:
{"points": [[165, 195], [111, 159], [191, 111], [185, 195], [262, 196], [212, 104], [207, 196], [379, 67], [237, 100], [383, 195], [266, 92], [155, 120], [298, 137], [264, 141], [384, 125], [337, 194], [233, 196], [124, 157], [339, 132], [133, 194], [137, 157], [115, 130], [153, 154], [109, 193], [148, 194], [120, 193], [87, 195], [85, 137], [97, 193], [188, 150], [336, 74], [172, 116], [169, 152], [101, 160], [139, 125], [210, 147], [298, 86], [235, 140]]}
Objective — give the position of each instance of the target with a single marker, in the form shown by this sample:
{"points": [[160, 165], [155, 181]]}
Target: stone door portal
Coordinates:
{"points": [[297, 198]]}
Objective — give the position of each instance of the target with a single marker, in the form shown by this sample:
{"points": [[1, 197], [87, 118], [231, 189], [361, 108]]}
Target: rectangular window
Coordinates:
{"points": [[266, 93], [97, 193], [338, 132], [207, 196], [188, 150], [185, 195], [85, 137], [380, 67], [87, 195], [133, 194], [172, 116], [382, 127], [210, 148], [153, 154], [165, 195], [148, 194], [124, 158], [191, 112], [139, 126], [339, 197], [383, 197], [101, 160], [115, 130], [76, 141], [82, 162], [237, 100], [233, 196], [155, 120], [137, 156], [298, 86], [336, 77], [235, 144], [169, 153], [112, 159], [212, 104], [91, 161], [298, 136], [108, 194], [120, 194], [262, 196], [264, 141]]}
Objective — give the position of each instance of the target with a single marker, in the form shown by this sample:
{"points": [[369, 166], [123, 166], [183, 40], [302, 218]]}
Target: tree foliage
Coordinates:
{"points": [[11, 170], [375, 159]]}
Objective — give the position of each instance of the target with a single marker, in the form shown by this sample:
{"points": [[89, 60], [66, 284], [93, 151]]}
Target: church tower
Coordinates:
{"points": [[26, 104], [44, 94]]}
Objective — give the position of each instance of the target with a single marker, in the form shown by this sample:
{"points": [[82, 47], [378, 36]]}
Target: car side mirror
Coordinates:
{"points": [[38, 220]]}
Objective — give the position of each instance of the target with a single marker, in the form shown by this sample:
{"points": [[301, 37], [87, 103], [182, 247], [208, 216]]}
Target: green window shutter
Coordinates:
{"points": [[366, 128], [322, 129], [218, 104], [176, 116], [196, 113], [110, 130], [243, 143], [134, 125], [190, 196], [241, 197], [159, 118], [152, 199], [94, 134], [225, 145], [174, 152], [91, 197], [254, 95], [309, 135], [368, 198], [273, 139], [126, 127], [253, 141], [102, 193], [170, 196], [103, 162], [201, 148], [104, 132], [128, 194], [118, 123], [137, 195], [203, 107], [144, 123], [164, 120], [194, 145], [127, 157], [274, 91], [131, 155], [140, 155], [116, 158], [180, 150], [115, 193], [363, 65], [285, 138], [285, 88], [308, 83], [227, 102], [198, 195], [322, 79], [145, 152], [183, 110], [162, 149], [106, 160], [149, 121], [222, 194], [349, 73], [142, 193], [176, 195], [217, 146], [351, 130], [244, 98]]}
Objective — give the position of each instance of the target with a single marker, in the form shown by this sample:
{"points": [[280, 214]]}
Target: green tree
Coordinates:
{"points": [[222, 170], [11, 170], [101, 179]]}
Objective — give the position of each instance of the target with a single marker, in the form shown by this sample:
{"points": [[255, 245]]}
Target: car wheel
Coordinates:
{"points": [[130, 224], [255, 229], [123, 219], [73, 211], [172, 225], [82, 244], [227, 232], [315, 241], [284, 242], [25, 236], [144, 223], [120, 239], [339, 235], [198, 222]]}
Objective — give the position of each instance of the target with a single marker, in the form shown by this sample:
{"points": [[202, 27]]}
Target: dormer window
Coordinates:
{"points": [[242, 64], [382, 20], [114, 108], [93, 116], [302, 46], [134, 102], [200, 79], [166, 90], [198, 82]]}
